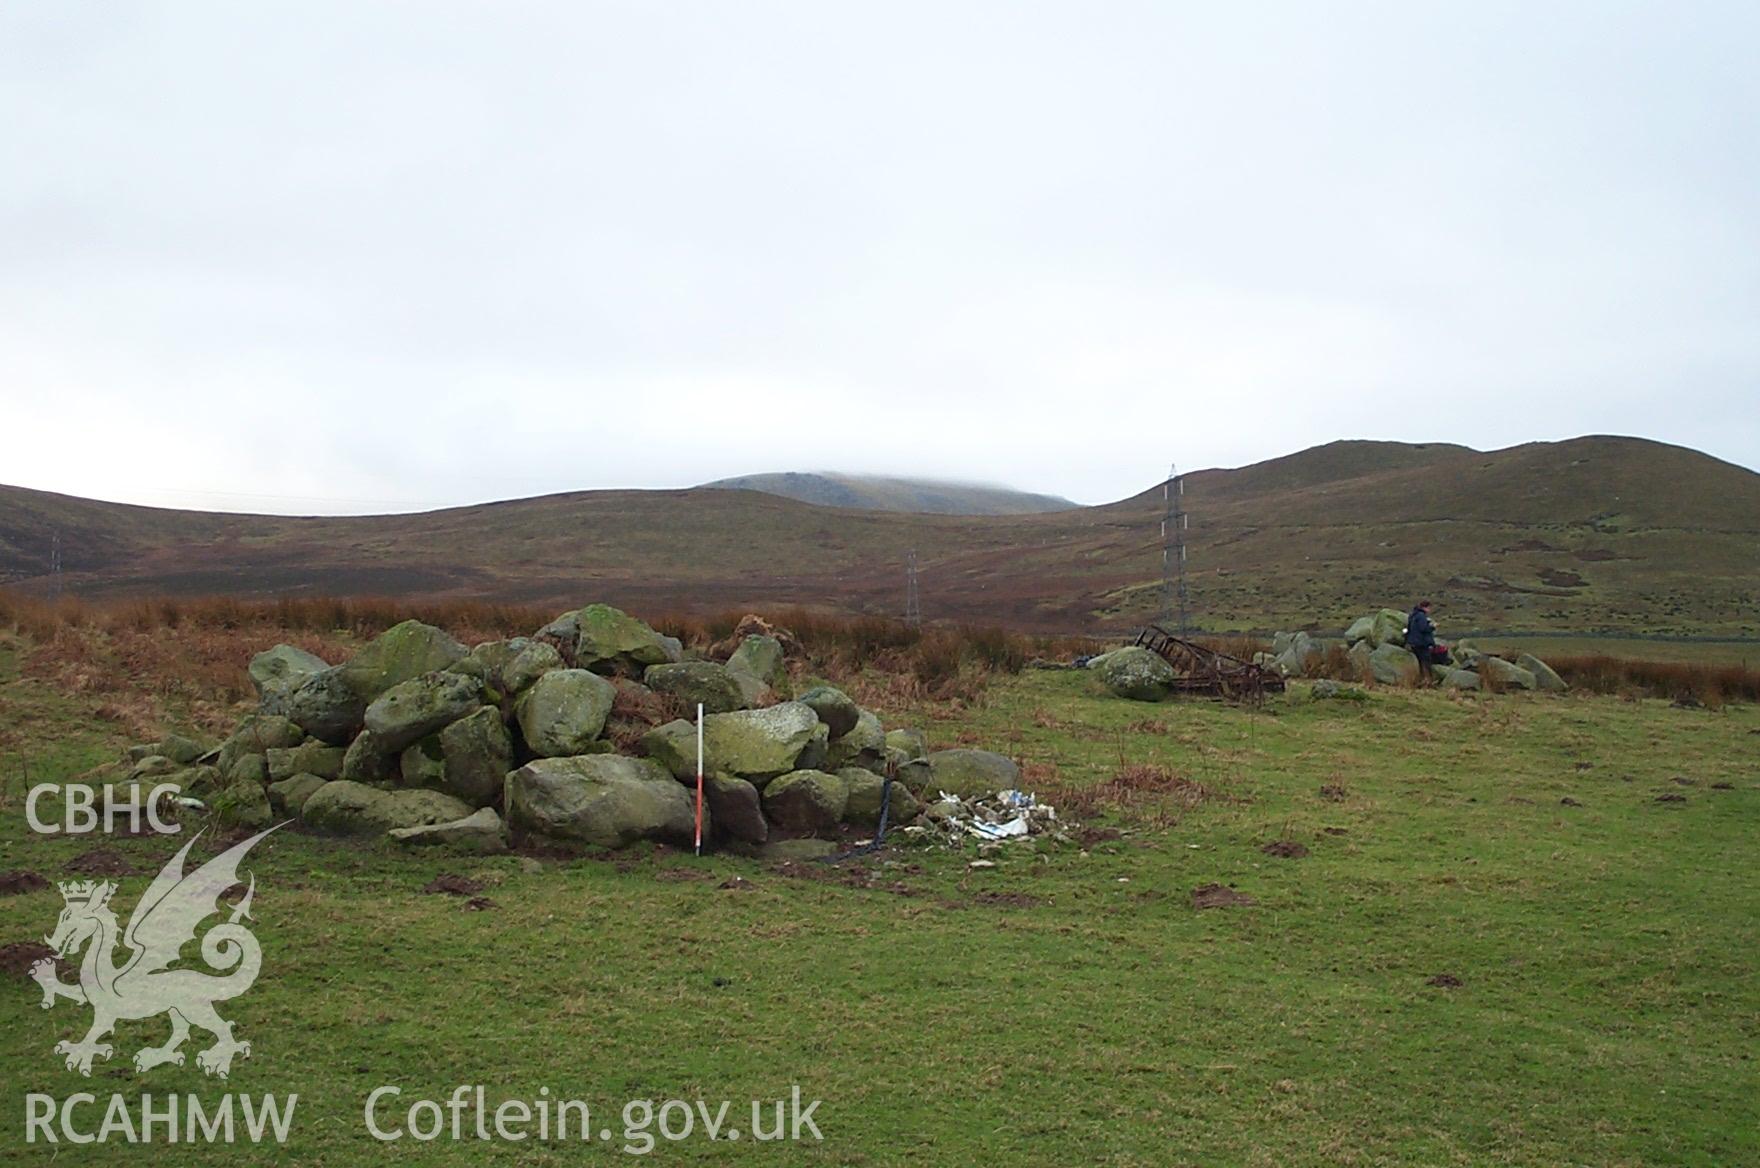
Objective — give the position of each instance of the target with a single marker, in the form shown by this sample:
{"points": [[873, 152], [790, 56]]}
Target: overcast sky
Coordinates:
{"points": [[313, 257]]}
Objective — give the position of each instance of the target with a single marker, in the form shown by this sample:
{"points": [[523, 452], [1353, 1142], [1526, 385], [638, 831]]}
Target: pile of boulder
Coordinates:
{"points": [[421, 739], [1377, 652]]}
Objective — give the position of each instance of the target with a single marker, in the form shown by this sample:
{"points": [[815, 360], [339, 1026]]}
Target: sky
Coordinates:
{"points": [[335, 258]]}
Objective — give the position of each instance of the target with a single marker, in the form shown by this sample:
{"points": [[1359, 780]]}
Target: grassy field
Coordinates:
{"points": [[1500, 948]]}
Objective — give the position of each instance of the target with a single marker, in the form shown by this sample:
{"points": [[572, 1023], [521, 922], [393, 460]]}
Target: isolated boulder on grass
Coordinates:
{"points": [[602, 799], [756, 745], [971, 774], [564, 712], [1137, 674], [277, 672], [708, 683], [805, 802]]}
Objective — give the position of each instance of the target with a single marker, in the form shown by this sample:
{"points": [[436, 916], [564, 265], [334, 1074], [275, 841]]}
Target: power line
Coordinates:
{"points": [[913, 601], [1175, 602]]}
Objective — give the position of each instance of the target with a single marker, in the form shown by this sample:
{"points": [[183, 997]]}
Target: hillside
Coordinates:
{"points": [[878, 493], [1598, 533]]}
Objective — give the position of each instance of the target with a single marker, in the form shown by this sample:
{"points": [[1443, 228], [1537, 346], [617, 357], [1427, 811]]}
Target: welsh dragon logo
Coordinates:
{"points": [[143, 985]]}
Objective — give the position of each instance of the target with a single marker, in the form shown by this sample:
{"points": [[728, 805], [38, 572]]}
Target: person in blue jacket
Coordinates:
{"points": [[1421, 640]]}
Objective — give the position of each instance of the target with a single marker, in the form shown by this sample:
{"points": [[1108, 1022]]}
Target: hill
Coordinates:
{"points": [[879, 493], [1591, 534]]}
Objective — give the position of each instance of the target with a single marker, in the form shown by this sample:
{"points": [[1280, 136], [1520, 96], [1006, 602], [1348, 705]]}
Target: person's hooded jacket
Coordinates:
{"points": [[1420, 630]]}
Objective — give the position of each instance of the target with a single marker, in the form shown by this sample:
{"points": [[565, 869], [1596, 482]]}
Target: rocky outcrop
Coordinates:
{"points": [[600, 799]]}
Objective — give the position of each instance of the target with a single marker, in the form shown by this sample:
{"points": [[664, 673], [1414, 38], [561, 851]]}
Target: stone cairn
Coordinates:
{"points": [[424, 741]]}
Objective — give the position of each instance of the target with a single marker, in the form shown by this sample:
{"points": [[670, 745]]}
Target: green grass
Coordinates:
{"points": [[1607, 1014]]}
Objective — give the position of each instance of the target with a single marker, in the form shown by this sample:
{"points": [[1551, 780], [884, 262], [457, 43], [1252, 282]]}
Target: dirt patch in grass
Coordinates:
{"points": [[21, 881], [453, 884], [1447, 981], [1722, 786], [100, 862], [993, 899], [736, 884], [1089, 836], [1219, 896], [1334, 793], [1567, 801], [674, 875], [480, 904], [848, 875], [1671, 797], [1288, 849], [17, 957]]}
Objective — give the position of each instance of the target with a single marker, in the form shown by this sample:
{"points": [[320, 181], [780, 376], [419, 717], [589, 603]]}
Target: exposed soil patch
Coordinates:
{"points": [[14, 883], [1447, 981], [17, 957], [1583, 766], [992, 899], [1288, 849], [1089, 836], [1336, 830], [100, 862], [1720, 786], [1595, 555], [537, 848], [1683, 781], [674, 875], [1219, 896], [1334, 792], [1528, 545], [1671, 797], [736, 884], [480, 904], [1560, 578], [1567, 801], [453, 885]]}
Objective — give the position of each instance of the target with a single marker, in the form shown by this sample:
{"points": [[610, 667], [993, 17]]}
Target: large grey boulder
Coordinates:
{"points": [[1393, 665], [910, 743], [760, 669], [805, 802], [1450, 678], [607, 640], [326, 706], [476, 753], [480, 833], [1545, 677], [835, 708], [755, 745], [1360, 630], [1388, 627], [422, 764], [1359, 655], [414, 709], [1299, 652], [972, 773], [862, 808], [1501, 674], [736, 808], [863, 746], [603, 799], [1138, 674], [242, 805], [564, 712], [277, 672], [692, 682], [510, 667], [344, 807], [401, 653]]}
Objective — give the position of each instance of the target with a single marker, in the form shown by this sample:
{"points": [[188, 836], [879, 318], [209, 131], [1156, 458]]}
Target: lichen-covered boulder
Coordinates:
{"points": [[862, 808], [972, 773], [509, 667], [368, 761], [1360, 629], [1393, 665], [1388, 627], [277, 672], [911, 743], [256, 735], [308, 758], [804, 802], [421, 764], [1138, 674], [863, 746], [759, 667], [697, 682], [564, 712], [1456, 678], [603, 799], [401, 653], [1466, 655], [1298, 654], [1358, 655], [1501, 674], [479, 833], [414, 709], [181, 750], [817, 751], [835, 708], [736, 808], [242, 805], [344, 807], [289, 795], [1545, 677], [203, 780], [607, 640], [755, 745], [325, 706], [476, 753]]}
